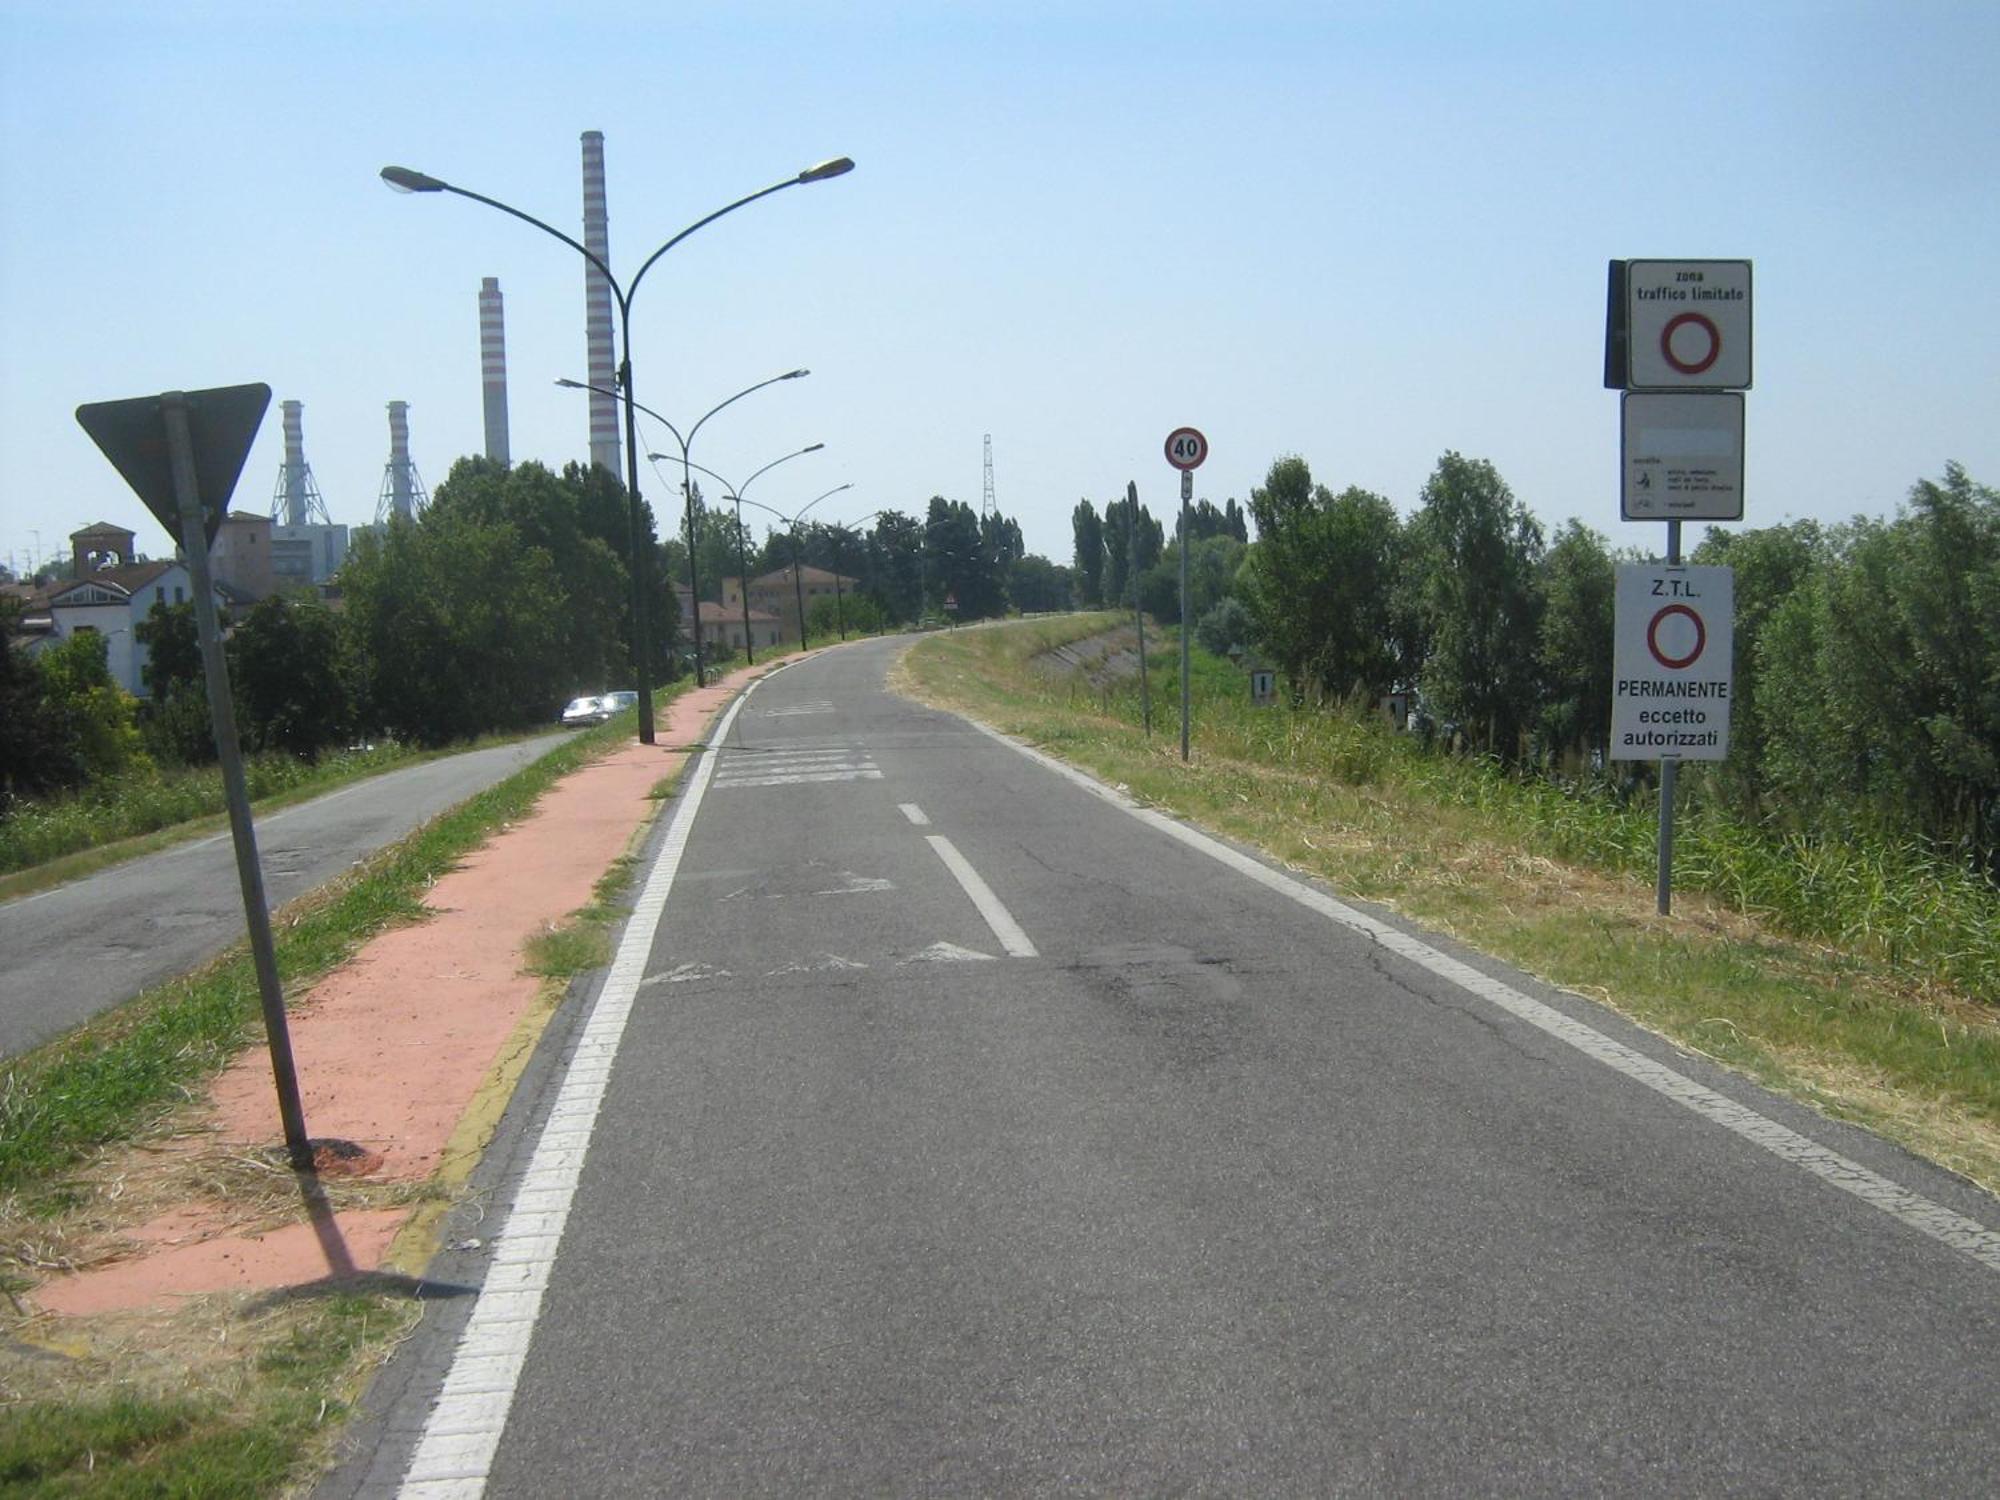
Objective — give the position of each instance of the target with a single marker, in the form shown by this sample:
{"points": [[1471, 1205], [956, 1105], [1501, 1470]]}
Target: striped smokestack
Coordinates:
{"points": [[493, 368], [400, 481], [604, 444], [292, 479]]}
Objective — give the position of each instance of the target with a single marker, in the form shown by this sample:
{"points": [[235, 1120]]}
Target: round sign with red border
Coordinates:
{"points": [[1700, 364], [1186, 448], [1674, 661]]}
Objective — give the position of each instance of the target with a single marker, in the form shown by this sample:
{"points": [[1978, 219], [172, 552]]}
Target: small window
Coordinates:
{"points": [[179, 596], [160, 594]]}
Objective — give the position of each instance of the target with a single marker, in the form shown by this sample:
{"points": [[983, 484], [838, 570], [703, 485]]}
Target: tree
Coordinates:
{"points": [[1579, 589], [959, 563], [175, 720], [33, 761], [1321, 583], [285, 667], [1088, 532], [1476, 551], [1036, 585], [93, 722], [456, 629], [549, 514]]}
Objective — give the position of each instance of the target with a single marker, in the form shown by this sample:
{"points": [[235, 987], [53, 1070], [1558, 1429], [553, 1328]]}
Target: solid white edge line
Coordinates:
{"points": [[1945, 1225], [1005, 928], [455, 1452]]}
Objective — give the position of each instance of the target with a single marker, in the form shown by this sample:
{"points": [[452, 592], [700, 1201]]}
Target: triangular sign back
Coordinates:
{"points": [[222, 423]]}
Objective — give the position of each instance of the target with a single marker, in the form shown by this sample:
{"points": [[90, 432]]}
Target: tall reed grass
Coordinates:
{"points": [[1892, 901], [32, 833]]}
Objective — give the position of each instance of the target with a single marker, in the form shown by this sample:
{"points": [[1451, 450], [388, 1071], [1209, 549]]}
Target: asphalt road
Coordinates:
{"points": [[960, 1131], [69, 953]]}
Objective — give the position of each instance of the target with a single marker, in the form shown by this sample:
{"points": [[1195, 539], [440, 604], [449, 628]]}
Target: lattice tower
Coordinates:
{"points": [[987, 509], [403, 495], [297, 502]]}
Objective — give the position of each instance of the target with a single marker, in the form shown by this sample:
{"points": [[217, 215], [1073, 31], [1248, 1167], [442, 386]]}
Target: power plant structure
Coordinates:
{"points": [[603, 377], [403, 497], [493, 368], [306, 547], [987, 506]]}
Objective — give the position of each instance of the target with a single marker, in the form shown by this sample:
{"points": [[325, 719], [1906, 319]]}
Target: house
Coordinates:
{"points": [[722, 624], [779, 594], [109, 596]]}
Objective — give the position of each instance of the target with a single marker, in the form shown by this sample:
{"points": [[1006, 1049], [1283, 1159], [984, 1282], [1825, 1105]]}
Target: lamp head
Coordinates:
{"points": [[409, 180], [568, 384], [794, 374], [838, 167], [813, 449]]}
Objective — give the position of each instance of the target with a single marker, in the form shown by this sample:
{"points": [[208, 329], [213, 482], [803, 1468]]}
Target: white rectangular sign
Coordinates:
{"points": [[1688, 325], [1681, 454], [1672, 662]]}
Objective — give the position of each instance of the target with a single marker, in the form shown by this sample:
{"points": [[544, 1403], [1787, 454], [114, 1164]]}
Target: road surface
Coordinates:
{"points": [[946, 1126], [69, 953]]}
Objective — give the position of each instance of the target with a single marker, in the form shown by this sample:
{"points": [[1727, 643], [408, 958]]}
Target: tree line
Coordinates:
{"points": [[509, 594], [1867, 655]]}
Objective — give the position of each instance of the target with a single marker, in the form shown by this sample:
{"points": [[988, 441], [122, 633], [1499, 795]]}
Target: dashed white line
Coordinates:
{"points": [[914, 813], [1005, 928]]}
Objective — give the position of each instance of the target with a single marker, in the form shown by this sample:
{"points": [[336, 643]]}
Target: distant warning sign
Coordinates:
{"points": [[1671, 662]]}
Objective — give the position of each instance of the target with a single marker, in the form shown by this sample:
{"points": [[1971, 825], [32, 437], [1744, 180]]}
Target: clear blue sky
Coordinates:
{"points": [[1365, 234]]}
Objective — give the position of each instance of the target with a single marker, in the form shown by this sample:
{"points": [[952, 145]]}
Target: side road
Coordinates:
{"points": [[409, 1052]]}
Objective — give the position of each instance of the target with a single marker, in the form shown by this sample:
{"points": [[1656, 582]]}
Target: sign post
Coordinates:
{"points": [[1677, 343], [1186, 449], [182, 452]]}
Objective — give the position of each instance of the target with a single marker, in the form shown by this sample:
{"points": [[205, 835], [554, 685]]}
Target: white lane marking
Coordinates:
{"points": [[997, 916], [455, 1453], [801, 778], [817, 706], [914, 813], [1945, 1225]]}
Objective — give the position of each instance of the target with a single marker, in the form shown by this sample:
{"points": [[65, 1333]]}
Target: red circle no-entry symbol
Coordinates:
{"points": [[1671, 662]]}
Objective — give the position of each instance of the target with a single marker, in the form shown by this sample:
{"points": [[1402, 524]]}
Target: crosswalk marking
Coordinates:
{"points": [[796, 765]]}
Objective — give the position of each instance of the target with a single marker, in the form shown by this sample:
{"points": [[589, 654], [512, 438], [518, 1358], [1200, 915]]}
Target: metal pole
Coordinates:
{"points": [[1187, 490], [694, 577], [798, 588], [642, 645], [743, 585], [249, 873], [1138, 615], [1670, 767]]}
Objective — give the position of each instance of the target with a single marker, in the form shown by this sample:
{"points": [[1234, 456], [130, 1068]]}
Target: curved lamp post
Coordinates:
{"points": [[687, 489], [798, 588], [408, 180]]}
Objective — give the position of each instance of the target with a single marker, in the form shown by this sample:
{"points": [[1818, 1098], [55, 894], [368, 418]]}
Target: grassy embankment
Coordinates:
{"points": [[216, 1399], [1865, 981]]}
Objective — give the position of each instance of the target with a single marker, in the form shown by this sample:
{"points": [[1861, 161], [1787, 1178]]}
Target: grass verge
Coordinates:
{"points": [[1862, 1018], [217, 1398]]}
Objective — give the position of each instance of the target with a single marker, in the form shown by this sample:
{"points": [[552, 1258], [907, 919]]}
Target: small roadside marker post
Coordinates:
{"points": [[1186, 448]]}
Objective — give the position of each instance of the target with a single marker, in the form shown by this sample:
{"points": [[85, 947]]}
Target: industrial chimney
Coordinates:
{"points": [[604, 446], [297, 501], [403, 496], [493, 368]]}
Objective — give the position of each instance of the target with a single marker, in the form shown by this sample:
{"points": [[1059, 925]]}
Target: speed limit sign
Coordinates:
{"points": [[1186, 448]]}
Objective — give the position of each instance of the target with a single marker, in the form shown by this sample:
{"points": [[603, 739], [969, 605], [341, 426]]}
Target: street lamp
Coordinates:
{"points": [[687, 490], [798, 588], [735, 492], [407, 180]]}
